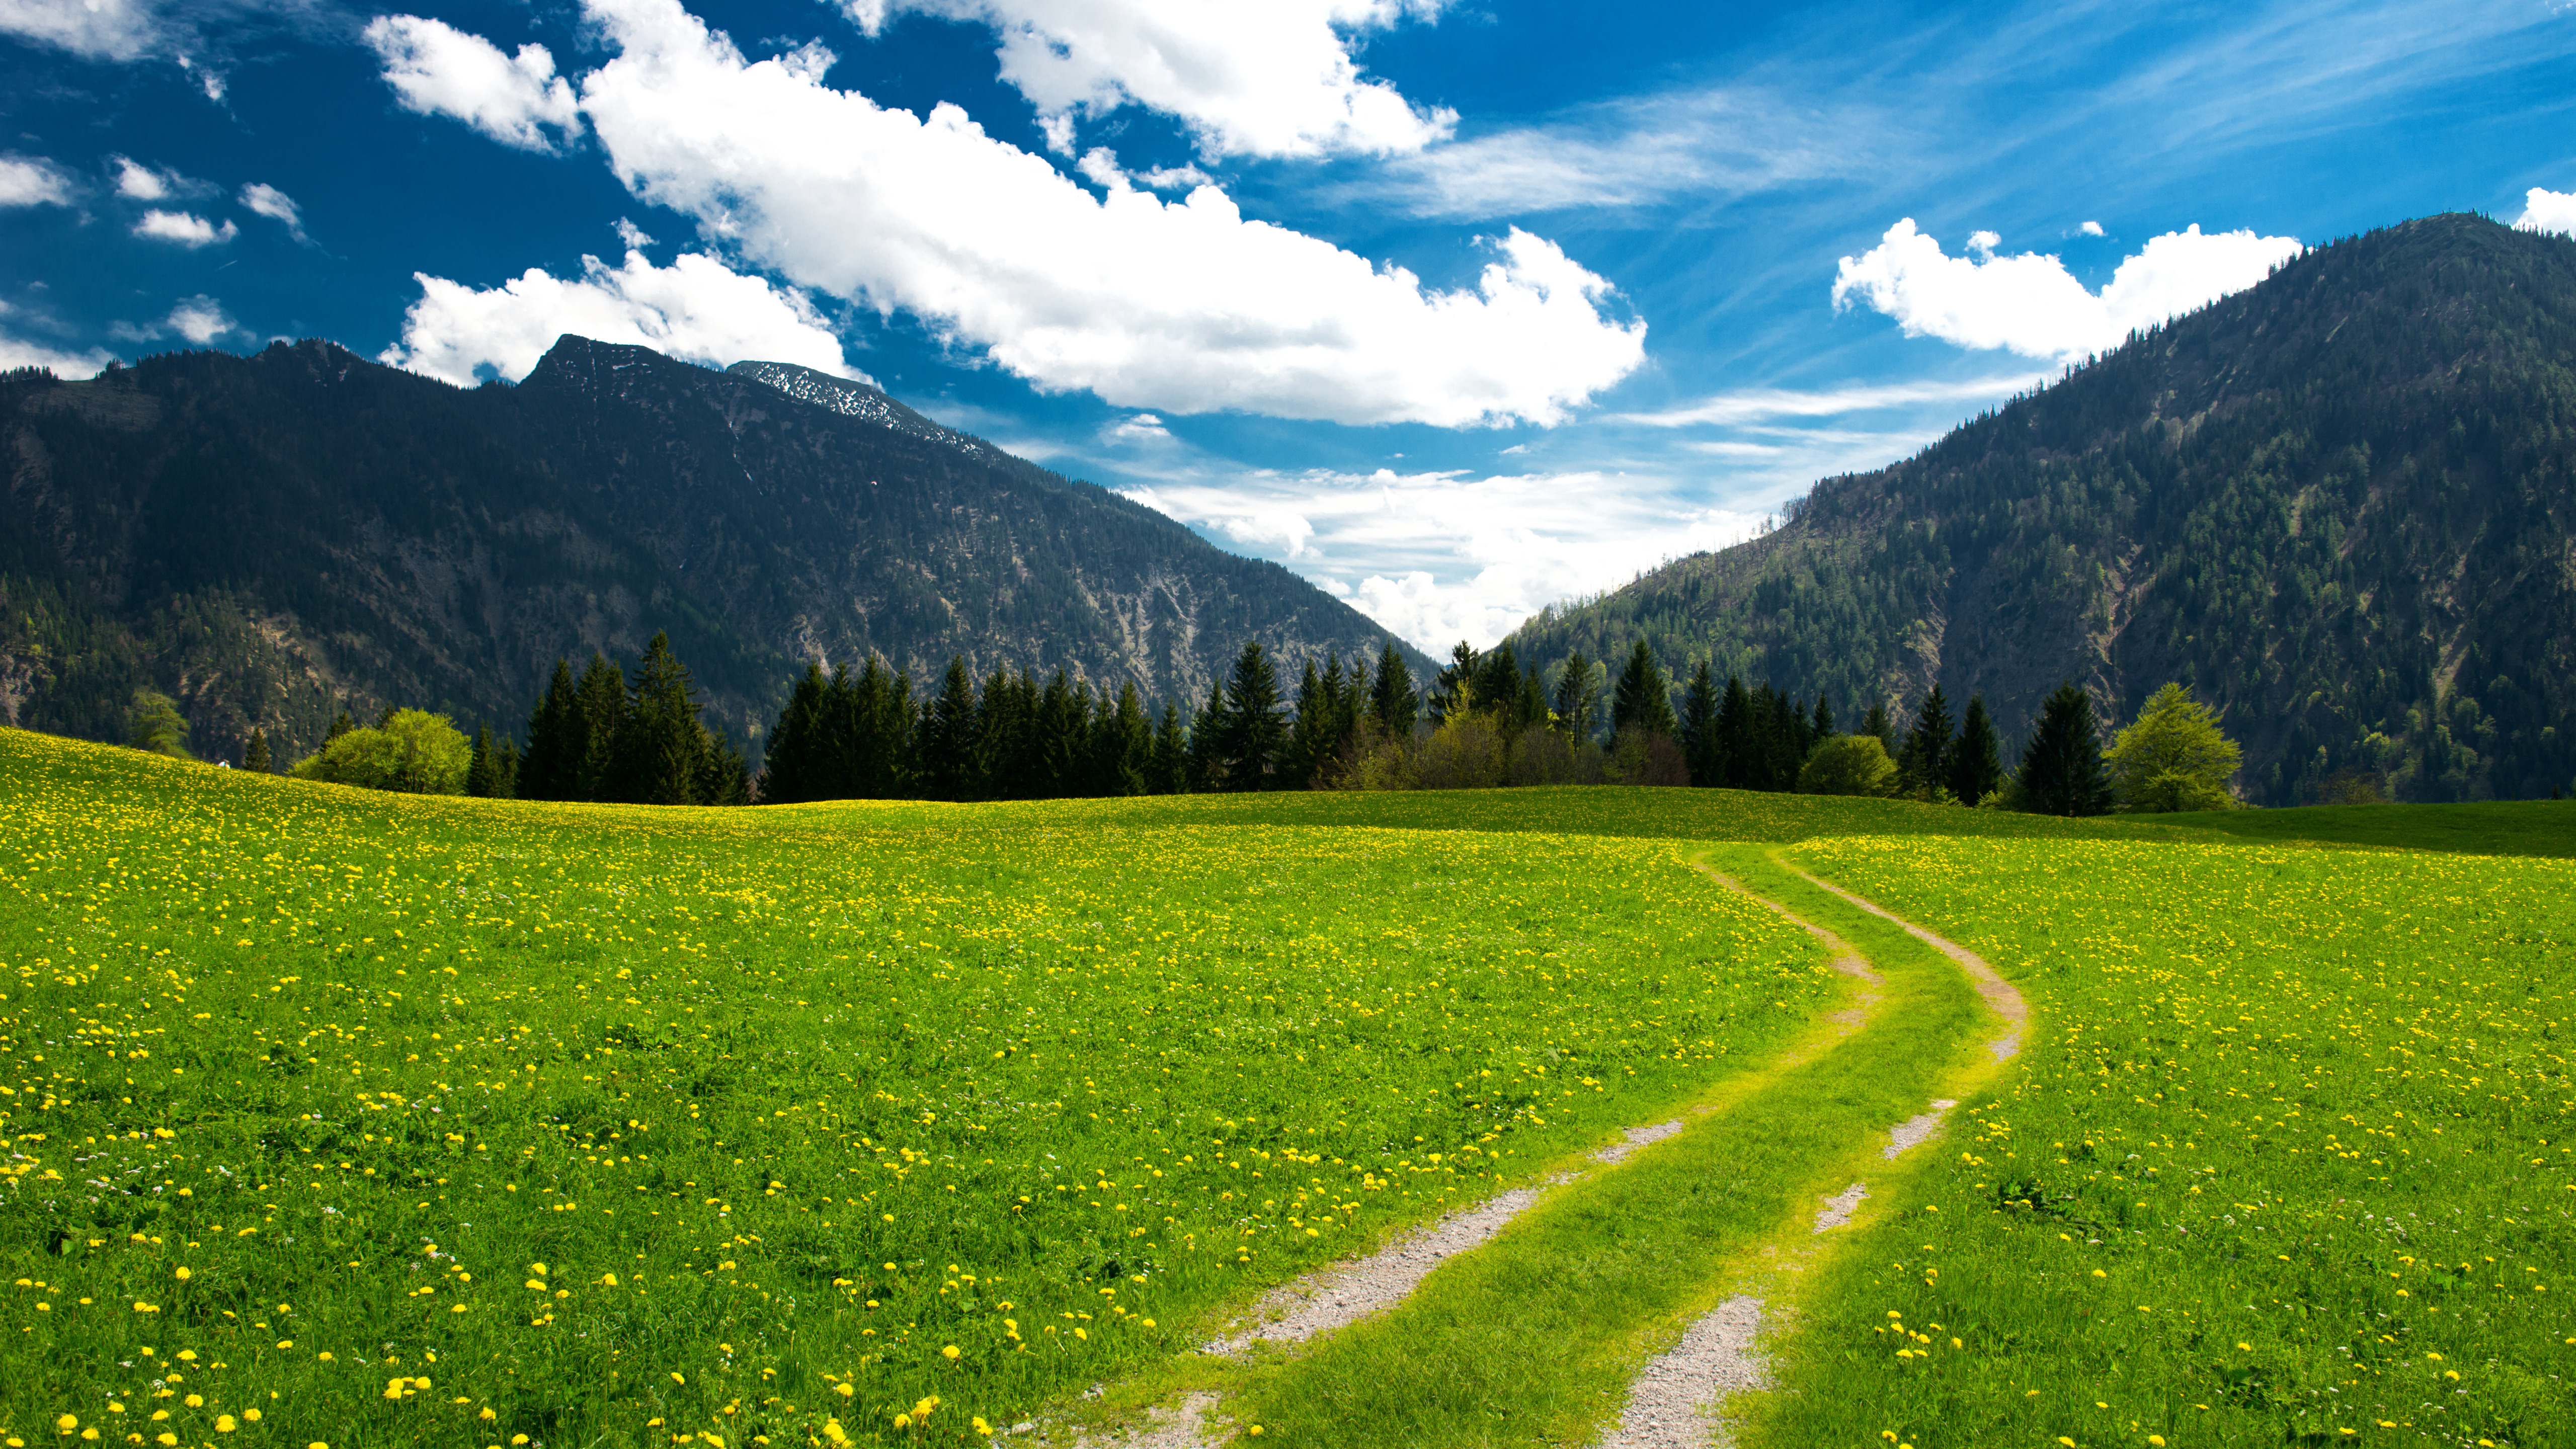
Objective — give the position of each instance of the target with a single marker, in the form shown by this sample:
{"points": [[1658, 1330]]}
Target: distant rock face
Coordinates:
{"points": [[2341, 506], [859, 400], [271, 538]]}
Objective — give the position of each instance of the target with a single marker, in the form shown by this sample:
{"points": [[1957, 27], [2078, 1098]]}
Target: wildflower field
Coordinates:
{"points": [[344, 1118], [2292, 1159], [351, 1118]]}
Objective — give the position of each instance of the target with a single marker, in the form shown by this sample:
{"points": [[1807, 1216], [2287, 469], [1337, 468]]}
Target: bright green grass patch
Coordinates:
{"points": [[378, 1114], [2291, 1157]]}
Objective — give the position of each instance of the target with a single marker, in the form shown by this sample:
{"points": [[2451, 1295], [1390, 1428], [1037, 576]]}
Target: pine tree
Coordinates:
{"points": [[1823, 726], [1123, 745], [1976, 764], [2061, 767], [1206, 755], [660, 747], [1310, 729], [1928, 746], [790, 762], [1453, 689], [599, 709], [1700, 747], [1578, 699], [255, 753], [1393, 700], [482, 770], [1252, 734], [551, 769], [948, 736], [1880, 725], [1733, 755], [1643, 699], [1167, 771], [876, 735]]}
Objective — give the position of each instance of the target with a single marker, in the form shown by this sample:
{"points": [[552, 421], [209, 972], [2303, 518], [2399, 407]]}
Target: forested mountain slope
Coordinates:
{"points": [[2338, 505], [269, 537]]}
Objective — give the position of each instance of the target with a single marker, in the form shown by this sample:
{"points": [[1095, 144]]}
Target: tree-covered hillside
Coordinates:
{"points": [[272, 538], [2337, 505]]}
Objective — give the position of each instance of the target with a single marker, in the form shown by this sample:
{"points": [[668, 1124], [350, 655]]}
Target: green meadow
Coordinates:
{"points": [[346, 1118]]}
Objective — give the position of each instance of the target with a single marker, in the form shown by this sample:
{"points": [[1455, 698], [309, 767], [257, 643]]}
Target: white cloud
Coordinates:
{"points": [[1752, 405], [106, 29], [17, 352], [200, 319], [1181, 307], [126, 30], [183, 227], [438, 70], [1176, 178], [140, 182], [1439, 557], [1139, 428], [2091, 228], [2031, 304], [696, 308], [1269, 79], [261, 199], [2544, 210], [32, 182]]}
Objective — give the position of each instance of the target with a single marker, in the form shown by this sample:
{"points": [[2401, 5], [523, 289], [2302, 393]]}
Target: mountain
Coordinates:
{"points": [[2337, 505], [268, 538]]}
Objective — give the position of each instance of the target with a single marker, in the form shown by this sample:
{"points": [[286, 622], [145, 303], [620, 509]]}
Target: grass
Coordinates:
{"points": [[395, 1120], [2289, 1163], [407, 1120]]}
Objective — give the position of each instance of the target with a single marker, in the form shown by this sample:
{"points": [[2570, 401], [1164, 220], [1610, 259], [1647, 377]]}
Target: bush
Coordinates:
{"points": [[1643, 756], [413, 752], [1848, 765]]}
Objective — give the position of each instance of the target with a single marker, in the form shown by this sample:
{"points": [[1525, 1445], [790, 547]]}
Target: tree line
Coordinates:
{"points": [[1486, 719]]}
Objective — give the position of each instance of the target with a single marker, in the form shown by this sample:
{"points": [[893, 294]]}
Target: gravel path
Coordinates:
{"points": [[1675, 1401]]}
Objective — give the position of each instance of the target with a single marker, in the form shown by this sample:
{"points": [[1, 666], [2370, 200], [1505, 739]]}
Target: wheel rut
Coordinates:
{"points": [[1675, 1401]]}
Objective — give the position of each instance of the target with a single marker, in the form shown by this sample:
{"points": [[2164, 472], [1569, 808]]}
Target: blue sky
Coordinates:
{"points": [[1456, 309]]}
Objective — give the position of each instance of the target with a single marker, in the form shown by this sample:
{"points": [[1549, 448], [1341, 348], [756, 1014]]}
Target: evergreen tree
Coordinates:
{"points": [[1453, 689], [1732, 758], [723, 775], [552, 769], [1252, 734], [1699, 741], [1643, 699], [482, 768], [341, 724], [660, 747], [1123, 746], [2061, 767], [1207, 757], [876, 738], [1977, 763], [1578, 699], [948, 736], [2174, 757], [1880, 725], [1310, 729], [599, 708], [1926, 759], [255, 753], [505, 768], [1167, 771], [1394, 702], [1061, 735], [1821, 726], [797, 742]]}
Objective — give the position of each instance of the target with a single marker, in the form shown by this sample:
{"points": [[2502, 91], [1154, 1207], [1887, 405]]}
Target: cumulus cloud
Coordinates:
{"points": [[200, 319], [438, 70], [1181, 306], [2545, 210], [139, 182], [2091, 228], [1269, 79], [186, 228], [261, 199], [697, 309], [2030, 303], [27, 181]]}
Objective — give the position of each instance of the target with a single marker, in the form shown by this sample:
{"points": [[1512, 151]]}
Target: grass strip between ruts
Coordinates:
{"points": [[1537, 1336]]}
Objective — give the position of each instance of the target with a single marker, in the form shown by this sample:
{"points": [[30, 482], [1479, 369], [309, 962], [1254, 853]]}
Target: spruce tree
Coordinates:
{"points": [[1823, 726], [482, 771], [255, 753], [1643, 699], [660, 747], [1976, 764], [948, 736], [2061, 767], [1453, 689], [1734, 754], [1310, 729], [1252, 734], [1928, 745], [1699, 741], [599, 709], [1124, 745], [1167, 770], [1394, 701], [551, 768], [876, 740], [790, 760], [505, 768], [1578, 700], [341, 724], [1880, 725], [1207, 757]]}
